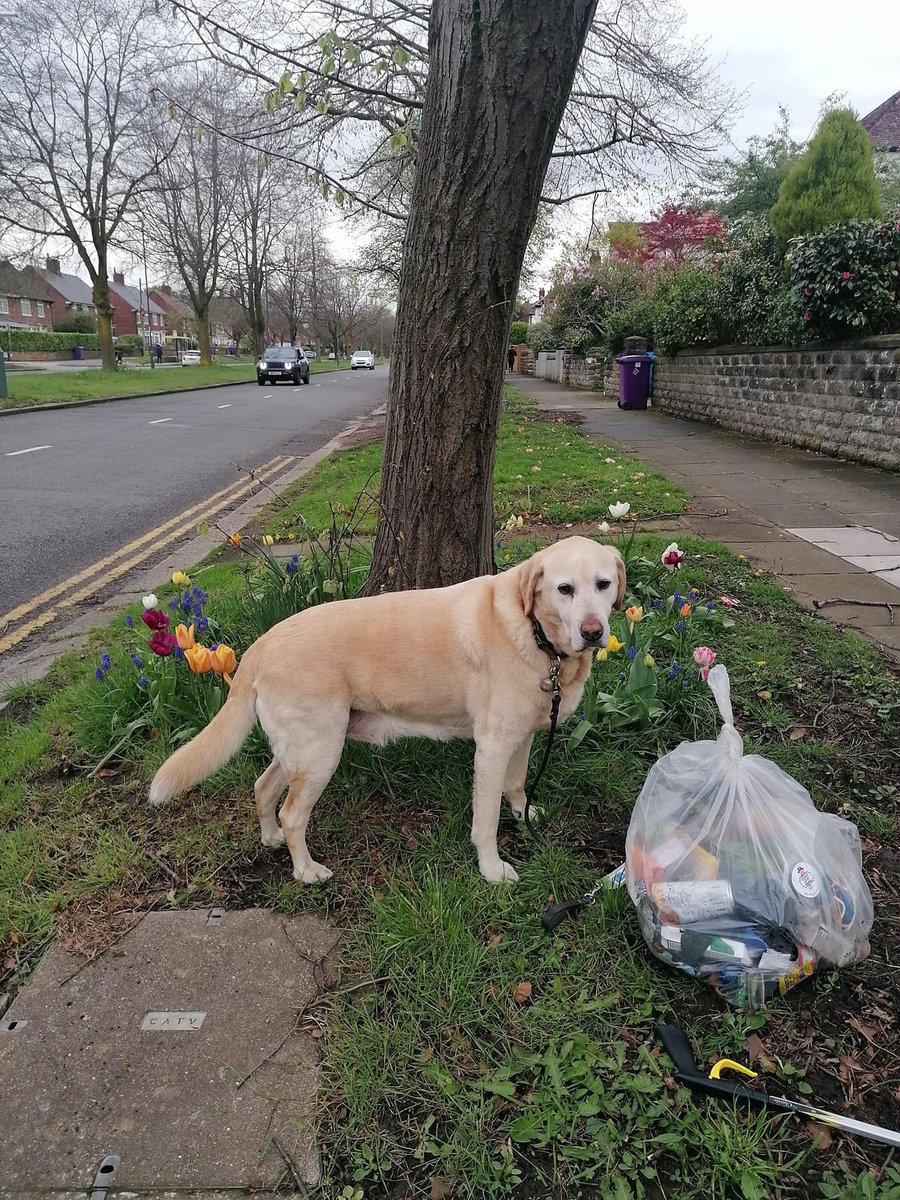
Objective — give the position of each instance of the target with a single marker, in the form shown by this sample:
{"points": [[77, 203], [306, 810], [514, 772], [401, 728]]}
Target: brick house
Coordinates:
{"points": [[130, 315], [180, 319], [882, 125], [24, 302], [70, 293]]}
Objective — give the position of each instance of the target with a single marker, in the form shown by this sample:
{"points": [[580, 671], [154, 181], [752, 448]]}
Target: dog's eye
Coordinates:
{"points": [[603, 584], [566, 589]]}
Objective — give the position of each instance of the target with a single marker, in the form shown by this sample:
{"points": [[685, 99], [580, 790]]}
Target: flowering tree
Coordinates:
{"points": [[679, 235]]}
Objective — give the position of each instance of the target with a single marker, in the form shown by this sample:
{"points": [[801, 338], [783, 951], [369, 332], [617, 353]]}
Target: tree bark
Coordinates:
{"points": [[203, 338], [498, 83], [104, 322]]}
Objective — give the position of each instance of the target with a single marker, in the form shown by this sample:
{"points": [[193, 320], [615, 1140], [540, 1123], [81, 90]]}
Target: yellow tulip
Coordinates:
{"points": [[223, 659], [184, 636], [614, 644], [199, 659], [268, 540], [234, 539], [649, 660], [180, 579], [603, 654], [634, 613]]}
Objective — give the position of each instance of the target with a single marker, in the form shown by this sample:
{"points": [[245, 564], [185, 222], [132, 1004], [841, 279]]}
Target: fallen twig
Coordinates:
{"points": [[291, 1165]]}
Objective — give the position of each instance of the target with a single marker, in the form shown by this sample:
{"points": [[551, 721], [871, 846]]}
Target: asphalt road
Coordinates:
{"points": [[78, 483]]}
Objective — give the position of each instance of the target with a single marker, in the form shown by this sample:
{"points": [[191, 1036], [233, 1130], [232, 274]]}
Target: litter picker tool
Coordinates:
{"points": [[687, 1072]]}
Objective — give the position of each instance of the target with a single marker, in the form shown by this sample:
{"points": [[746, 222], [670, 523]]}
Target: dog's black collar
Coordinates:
{"points": [[543, 642]]}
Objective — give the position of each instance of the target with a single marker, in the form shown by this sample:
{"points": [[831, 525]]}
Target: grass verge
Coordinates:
{"points": [[33, 389], [443, 1074], [546, 472]]}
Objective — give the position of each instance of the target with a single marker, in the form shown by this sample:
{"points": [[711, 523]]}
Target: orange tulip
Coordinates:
{"points": [[199, 659], [185, 637], [685, 610], [223, 660]]}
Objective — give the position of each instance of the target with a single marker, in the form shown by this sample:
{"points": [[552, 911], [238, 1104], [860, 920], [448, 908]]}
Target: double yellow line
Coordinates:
{"points": [[42, 609]]}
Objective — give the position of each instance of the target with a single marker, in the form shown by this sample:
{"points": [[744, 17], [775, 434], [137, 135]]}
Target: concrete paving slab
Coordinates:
{"points": [[789, 556], [855, 586], [892, 577], [190, 1105], [875, 562], [847, 540]]}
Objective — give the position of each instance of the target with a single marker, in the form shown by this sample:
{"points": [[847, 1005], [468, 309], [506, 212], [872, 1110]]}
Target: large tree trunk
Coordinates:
{"points": [[203, 335], [498, 83], [104, 322]]}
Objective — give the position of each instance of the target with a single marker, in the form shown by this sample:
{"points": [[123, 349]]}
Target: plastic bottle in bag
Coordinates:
{"points": [[738, 878]]}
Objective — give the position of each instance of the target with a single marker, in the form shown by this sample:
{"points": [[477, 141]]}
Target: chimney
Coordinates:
{"points": [[118, 277], [541, 296], [53, 266]]}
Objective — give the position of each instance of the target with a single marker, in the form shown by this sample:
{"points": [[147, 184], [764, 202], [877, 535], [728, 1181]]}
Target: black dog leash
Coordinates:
{"points": [[561, 909], [550, 684]]}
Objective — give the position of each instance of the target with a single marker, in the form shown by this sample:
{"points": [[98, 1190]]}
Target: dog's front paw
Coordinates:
{"points": [[535, 814], [273, 840], [498, 872], [313, 872]]}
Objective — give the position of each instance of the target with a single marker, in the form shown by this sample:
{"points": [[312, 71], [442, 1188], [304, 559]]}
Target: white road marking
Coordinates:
{"points": [[267, 395], [318, 385], [30, 450], [224, 406], [160, 421]]}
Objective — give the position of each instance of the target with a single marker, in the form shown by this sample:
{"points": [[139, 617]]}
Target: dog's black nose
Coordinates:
{"points": [[591, 631]]}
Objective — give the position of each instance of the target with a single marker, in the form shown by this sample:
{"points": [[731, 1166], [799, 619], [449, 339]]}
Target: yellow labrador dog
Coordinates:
{"points": [[460, 661]]}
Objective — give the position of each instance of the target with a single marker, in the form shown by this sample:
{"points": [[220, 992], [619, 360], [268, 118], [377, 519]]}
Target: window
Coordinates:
{"points": [[4, 305], [40, 308], [26, 307]]}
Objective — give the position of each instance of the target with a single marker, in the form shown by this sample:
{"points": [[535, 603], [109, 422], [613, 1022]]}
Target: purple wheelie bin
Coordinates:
{"points": [[634, 379]]}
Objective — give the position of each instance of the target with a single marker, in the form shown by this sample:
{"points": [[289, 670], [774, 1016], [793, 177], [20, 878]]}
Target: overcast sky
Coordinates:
{"points": [[797, 52]]}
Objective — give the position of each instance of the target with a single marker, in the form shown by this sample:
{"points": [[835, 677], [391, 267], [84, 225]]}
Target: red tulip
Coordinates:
{"points": [[162, 643], [153, 618]]}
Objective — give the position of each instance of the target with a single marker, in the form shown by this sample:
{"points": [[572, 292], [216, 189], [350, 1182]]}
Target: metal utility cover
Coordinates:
{"points": [[83, 1077]]}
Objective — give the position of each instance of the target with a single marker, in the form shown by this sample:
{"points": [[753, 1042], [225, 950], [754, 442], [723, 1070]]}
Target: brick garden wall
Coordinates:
{"points": [[843, 400]]}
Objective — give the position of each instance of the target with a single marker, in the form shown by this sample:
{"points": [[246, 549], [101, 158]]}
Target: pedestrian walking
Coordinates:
{"points": [[511, 357], [158, 352]]}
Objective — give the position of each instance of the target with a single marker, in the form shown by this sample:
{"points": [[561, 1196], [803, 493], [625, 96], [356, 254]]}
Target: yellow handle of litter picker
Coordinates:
{"points": [[728, 1064]]}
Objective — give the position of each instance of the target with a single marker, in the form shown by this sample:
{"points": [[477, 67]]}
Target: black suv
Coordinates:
{"points": [[282, 362]]}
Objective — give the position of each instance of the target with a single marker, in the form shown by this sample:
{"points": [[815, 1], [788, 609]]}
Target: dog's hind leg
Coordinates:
{"points": [[268, 790], [309, 767]]}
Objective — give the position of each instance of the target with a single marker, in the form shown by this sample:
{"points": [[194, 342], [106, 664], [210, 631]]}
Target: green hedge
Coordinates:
{"points": [[26, 340]]}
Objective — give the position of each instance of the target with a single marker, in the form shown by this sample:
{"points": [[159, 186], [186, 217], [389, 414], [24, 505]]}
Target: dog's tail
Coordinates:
{"points": [[211, 748]]}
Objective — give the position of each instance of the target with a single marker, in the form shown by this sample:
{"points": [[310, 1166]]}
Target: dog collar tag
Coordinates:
{"points": [[546, 685]]}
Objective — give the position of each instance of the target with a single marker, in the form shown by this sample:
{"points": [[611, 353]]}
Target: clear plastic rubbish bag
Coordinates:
{"points": [[737, 877]]}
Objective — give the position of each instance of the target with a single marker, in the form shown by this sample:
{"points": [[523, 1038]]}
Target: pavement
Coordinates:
{"points": [[184, 1058], [828, 528]]}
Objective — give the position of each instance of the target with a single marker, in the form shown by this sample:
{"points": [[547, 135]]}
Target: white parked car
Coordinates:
{"points": [[190, 358], [362, 360]]}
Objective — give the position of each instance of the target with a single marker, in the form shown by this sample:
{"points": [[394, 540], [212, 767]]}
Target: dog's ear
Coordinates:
{"points": [[620, 572], [530, 575]]}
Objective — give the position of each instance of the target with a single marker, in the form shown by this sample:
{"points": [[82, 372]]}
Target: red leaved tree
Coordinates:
{"points": [[678, 235]]}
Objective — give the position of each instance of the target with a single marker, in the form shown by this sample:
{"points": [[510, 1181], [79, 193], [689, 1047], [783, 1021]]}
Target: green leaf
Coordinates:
{"points": [[321, 107], [499, 1087], [579, 733], [351, 52], [401, 57], [750, 1186]]}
